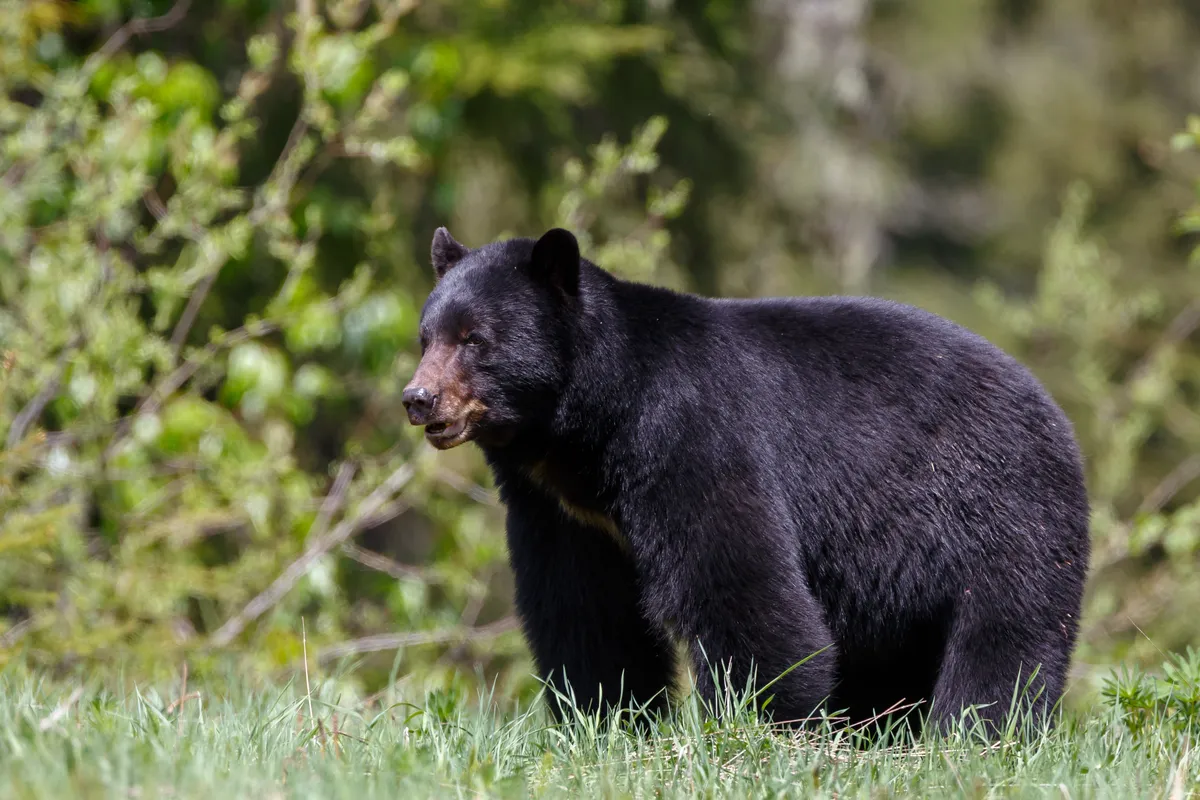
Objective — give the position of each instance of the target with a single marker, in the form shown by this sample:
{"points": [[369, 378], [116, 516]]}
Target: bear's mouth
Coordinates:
{"points": [[444, 435]]}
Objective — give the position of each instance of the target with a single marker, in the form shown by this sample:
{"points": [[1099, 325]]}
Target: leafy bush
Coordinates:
{"points": [[201, 375], [1152, 703], [213, 248]]}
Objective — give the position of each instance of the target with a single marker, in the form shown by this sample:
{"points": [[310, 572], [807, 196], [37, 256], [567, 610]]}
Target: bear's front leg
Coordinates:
{"points": [[577, 595], [722, 576]]}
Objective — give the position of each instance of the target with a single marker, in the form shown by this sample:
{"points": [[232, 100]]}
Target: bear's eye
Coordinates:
{"points": [[473, 339]]}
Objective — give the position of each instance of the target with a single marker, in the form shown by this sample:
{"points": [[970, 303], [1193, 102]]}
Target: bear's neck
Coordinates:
{"points": [[601, 397]]}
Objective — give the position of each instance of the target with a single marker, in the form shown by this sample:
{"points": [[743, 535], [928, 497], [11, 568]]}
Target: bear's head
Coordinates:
{"points": [[495, 338]]}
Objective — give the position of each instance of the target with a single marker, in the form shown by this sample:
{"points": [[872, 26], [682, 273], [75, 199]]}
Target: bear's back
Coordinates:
{"points": [[919, 462]]}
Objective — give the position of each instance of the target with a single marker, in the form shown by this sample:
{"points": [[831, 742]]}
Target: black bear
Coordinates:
{"points": [[761, 480]]}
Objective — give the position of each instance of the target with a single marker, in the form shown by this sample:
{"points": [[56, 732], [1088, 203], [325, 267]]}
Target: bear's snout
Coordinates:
{"points": [[419, 403]]}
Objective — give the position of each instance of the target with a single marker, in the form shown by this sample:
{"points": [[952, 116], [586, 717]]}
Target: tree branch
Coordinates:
{"points": [[470, 489], [34, 408], [16, 633], [1180, 328], [1175, 481], [392, 641], [186, 320], [192, 310], [179, 376], [321, 543], [387, 566], [137, 27]]}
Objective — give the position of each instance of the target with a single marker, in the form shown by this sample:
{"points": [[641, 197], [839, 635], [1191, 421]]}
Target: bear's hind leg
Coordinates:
{"points": [[999, 666]]}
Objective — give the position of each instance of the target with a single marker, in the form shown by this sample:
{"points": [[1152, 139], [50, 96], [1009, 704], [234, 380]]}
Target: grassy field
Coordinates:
{"points": [[59, 742]]}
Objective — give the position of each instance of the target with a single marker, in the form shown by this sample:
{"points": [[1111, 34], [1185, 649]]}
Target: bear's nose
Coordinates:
{"points": [[418, 402]]}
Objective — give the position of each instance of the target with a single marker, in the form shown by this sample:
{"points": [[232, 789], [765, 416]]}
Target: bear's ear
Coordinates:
{"points": [[555, 261], [445, 252]]}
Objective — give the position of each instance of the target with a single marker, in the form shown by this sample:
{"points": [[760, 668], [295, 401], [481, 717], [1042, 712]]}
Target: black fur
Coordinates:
{"points": [[766, 478], [445, 252]]}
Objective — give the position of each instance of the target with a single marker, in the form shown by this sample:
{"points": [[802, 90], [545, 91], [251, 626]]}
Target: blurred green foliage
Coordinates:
{"points": [[214, 226]]}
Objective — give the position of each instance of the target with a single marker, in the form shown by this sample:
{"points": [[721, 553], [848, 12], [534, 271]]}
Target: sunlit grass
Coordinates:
{"points": [[84, 741]]}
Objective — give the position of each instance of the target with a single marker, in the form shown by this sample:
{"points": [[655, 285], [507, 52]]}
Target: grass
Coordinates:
{"points": [[60, 742]]}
